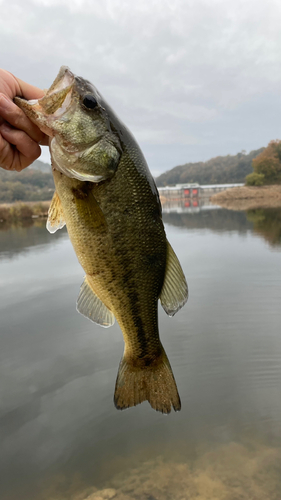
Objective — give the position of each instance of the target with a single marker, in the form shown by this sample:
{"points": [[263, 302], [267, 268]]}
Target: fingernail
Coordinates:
{"points": [[5, 103]]}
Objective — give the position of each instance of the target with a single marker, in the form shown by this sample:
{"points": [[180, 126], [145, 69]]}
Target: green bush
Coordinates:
{"points": [[255, 179]]}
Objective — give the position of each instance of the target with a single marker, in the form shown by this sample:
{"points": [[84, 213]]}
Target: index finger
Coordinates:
{"points": [[29, 91], [17, 118]]}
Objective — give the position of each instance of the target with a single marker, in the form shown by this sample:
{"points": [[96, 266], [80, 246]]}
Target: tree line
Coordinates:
{"points": [[220, 170], [32, 184]]}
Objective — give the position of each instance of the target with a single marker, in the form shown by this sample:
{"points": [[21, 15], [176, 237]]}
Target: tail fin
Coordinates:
{"points": [[154, 383]]}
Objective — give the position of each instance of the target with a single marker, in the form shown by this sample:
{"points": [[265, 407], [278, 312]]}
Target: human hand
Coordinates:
{"points": [[19, 137]]}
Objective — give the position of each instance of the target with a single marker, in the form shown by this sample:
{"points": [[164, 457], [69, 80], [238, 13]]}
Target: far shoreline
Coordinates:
{"points": [[237, 198], [249, 197]]}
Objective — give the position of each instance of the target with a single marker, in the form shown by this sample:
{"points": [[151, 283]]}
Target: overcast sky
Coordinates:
{"points": [[191, 79]]}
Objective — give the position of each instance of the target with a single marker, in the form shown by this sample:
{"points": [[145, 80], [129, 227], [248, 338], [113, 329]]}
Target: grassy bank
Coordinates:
{"points": [[249, 197], [21, 211]]}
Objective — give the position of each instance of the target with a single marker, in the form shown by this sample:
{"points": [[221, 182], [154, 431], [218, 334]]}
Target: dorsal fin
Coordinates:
{"points": [[55, 215], [174, 293], [92, 307]]}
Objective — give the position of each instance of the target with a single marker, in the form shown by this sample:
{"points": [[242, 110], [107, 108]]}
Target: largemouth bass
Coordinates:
{"points": [[108, 200]]}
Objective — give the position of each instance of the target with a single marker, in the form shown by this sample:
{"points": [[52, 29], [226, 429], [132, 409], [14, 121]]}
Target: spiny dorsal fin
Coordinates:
{"points": [[174, 293], [55, 215], [92, 307]]}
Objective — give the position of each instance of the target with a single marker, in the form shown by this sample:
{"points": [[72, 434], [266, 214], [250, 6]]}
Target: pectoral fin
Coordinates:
{"points": [[92, 307], [55, 215], [174, 293]]}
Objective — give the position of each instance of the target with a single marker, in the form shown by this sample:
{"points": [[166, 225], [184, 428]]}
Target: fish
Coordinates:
{"points": [[108, 200]]}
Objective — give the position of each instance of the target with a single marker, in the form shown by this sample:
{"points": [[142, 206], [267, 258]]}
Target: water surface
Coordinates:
{"points": [[60, 433]]}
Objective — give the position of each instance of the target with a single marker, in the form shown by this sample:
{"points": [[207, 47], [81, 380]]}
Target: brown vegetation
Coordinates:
{"points": [[267, 166], [14, 212], [249, 197]]}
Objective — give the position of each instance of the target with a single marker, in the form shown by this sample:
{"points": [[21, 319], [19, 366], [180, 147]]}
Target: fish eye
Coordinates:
{"points": [[89, 101]]}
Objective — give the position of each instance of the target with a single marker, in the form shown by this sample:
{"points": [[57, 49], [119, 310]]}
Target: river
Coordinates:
{"points": [[61, 436]]}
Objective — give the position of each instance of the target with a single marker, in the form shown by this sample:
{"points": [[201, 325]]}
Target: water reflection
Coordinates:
{"points": [[15, 239], [267, 223], [214, 219], [61, 437]]}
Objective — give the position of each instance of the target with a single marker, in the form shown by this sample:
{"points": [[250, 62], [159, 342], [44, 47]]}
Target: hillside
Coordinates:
{"points": [[35, 183], [219, 170]]}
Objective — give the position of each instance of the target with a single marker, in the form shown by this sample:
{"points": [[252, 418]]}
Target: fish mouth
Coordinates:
{"points": [[58, 98], [55, 103]]}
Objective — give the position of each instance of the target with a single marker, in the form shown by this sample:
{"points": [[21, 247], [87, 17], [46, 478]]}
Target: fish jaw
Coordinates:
{"points": [[53, 105], [82, 143]]}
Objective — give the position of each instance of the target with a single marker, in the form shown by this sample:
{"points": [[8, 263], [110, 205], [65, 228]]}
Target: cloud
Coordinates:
{"points": [[171, 70]]}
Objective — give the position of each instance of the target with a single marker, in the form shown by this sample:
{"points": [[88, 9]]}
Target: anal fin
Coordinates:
{"points": [[89, 304], [55, 215], [174, 293]]}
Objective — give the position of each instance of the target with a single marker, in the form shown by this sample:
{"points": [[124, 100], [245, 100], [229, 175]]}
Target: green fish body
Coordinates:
{"points": [[108, 200]]}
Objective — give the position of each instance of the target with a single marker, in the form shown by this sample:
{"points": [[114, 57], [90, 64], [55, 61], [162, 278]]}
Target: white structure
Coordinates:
{"points": [[193, 190]]}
